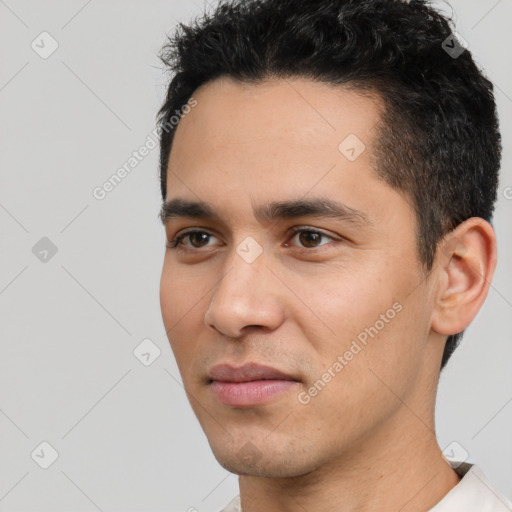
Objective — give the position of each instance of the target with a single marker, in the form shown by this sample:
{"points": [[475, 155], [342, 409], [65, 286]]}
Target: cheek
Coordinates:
{"points": [[169, 287], [181, 291], [381, 329], [368, 311], [182, 311], [343, 303]]}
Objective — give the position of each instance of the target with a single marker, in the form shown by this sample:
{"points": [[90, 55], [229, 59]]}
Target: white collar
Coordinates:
{"points": [[474, 493]]}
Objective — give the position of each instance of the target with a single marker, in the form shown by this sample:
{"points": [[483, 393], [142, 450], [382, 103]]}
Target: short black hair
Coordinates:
{"points": [[438, 141]]}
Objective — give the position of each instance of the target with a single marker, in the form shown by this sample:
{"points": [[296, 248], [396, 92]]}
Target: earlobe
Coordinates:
{"points": [[465, 260]]}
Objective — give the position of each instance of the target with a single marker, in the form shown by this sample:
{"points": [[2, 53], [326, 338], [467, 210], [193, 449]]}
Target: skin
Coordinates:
{"points": [[367, 440]]}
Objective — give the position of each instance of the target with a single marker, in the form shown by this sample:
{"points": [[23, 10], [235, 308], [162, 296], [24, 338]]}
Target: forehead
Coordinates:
{"points": [[274, 126], [299, 112], [245, 144]]}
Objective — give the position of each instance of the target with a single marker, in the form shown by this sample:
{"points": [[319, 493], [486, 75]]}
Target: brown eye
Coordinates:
{"points": [[310, 238], [198, 239]]}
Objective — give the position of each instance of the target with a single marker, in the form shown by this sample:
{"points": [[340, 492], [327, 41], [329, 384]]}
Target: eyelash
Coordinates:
{"points": [[176, 242]]}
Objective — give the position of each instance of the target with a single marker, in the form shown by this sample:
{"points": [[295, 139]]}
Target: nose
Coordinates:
{"points": [[247, 295]]}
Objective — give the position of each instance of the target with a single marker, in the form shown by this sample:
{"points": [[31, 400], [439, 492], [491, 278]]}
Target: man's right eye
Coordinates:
{"points": [[196, 238]]}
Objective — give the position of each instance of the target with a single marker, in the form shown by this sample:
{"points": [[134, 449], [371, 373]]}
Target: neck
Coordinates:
{"points": [[400, 467]]}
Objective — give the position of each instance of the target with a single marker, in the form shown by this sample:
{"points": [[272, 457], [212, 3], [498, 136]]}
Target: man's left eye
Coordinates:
{"points": [[310, 238]]}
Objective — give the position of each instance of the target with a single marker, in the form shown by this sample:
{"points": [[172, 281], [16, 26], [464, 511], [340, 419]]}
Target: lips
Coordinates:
{"points": [[247, 373], [250, 385]]}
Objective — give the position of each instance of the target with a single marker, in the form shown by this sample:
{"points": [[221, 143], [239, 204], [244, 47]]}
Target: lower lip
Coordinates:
{"points": [[257, 392]]}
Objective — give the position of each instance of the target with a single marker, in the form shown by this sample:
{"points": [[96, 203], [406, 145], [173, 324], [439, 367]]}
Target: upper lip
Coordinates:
{"points": [[246, 373]]}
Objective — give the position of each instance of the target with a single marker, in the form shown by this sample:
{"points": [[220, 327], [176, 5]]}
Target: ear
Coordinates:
{"points": [[466, 259]]}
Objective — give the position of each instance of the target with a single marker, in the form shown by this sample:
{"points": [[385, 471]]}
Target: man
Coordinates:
{"points": [[328, 193]]}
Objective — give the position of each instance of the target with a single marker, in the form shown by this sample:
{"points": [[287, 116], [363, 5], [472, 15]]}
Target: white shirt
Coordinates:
{"points": [[474, 493]]}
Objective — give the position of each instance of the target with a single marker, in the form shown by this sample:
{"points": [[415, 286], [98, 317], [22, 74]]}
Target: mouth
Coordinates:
{"points": [[249, 385]]}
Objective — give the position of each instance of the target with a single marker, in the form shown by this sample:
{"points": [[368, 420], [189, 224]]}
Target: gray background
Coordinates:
{"points": [[125, 434]]}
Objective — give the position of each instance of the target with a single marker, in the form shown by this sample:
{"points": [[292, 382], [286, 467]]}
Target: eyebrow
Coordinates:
{"points": [[269, 212]]}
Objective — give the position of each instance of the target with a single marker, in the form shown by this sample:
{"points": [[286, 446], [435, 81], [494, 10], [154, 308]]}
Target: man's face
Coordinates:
{"points": [[344, 313]]}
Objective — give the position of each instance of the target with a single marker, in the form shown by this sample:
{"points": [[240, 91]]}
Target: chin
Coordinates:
{"points": [[273, 463]]}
